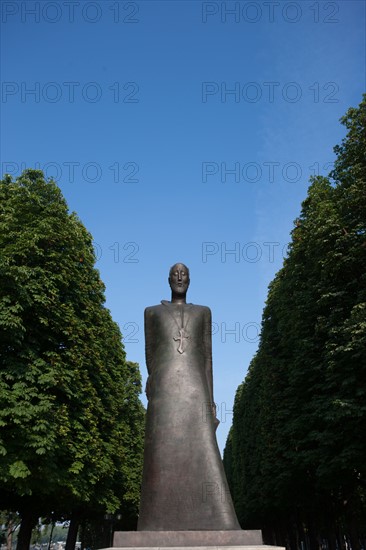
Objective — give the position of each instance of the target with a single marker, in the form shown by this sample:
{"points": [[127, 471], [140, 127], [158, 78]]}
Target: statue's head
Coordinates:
{"points": [[179, 278]]}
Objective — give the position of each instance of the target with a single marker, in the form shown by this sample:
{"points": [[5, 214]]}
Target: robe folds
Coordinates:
{"points": [[184, 486]]}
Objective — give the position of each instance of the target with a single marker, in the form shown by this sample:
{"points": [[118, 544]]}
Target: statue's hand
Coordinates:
{"points": [[216, 420], [147, 387]]}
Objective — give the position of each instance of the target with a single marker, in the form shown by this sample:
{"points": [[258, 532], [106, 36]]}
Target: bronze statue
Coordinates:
{"points": [[184, 485]]}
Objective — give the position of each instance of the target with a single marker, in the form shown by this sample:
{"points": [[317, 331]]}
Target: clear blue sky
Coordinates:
{"points": [[131, 112]]}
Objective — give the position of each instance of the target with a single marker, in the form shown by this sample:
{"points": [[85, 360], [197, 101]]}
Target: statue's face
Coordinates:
{"points": [[179, 279]]}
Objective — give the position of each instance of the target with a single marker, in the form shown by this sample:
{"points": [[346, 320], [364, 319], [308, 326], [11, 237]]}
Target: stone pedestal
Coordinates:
{"points": [[228, 540], [220, 547]]}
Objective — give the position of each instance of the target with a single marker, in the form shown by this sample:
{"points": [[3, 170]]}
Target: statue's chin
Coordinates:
{"points": [[179, 289]]}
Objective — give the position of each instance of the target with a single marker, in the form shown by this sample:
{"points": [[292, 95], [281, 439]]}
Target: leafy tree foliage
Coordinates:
{"points": [[70, 417], [297, 447]]}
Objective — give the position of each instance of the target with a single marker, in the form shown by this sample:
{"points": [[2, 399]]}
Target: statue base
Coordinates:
{"points": [[189, 539]]}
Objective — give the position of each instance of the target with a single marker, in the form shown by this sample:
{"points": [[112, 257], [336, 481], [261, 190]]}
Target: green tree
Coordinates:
{"points": [[297, 442], [70, 418]]}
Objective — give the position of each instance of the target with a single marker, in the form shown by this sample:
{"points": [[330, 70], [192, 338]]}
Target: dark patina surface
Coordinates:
{"points": [[184, 484]]}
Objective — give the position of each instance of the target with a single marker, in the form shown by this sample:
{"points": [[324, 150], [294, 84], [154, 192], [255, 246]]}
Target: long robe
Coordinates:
{"points": [[184, 485]]}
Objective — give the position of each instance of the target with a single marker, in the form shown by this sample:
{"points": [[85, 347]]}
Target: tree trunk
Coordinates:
{"points": [[313, 538], [354, 535], [51, 535], [73, 532], [9, 535], [29, 520]]}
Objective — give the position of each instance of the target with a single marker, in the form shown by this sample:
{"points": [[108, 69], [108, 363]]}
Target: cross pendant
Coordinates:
{"points": [[180, 338]]}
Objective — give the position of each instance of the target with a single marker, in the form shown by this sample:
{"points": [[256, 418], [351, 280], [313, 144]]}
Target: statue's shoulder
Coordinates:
{"points": [[150, 310], [202, 309]]}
